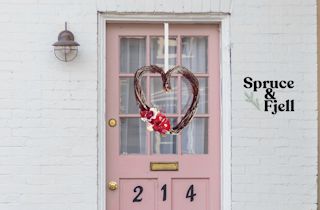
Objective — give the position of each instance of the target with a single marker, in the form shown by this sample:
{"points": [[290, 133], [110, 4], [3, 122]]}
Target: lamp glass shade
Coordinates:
{"points": [[66, 53], [66, 49]]}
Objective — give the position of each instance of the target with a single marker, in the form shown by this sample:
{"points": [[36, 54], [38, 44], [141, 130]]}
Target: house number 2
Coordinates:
{"points": [[139, 189]]}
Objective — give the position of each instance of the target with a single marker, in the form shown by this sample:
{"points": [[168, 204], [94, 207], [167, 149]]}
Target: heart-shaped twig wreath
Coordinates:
{"points": [[156, 120]]}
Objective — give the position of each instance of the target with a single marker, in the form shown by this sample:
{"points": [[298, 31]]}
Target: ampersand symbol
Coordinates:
{"points": [[269, 94]]}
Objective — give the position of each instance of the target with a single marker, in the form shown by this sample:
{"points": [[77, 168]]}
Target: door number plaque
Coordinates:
{"points": [[164, 166]]}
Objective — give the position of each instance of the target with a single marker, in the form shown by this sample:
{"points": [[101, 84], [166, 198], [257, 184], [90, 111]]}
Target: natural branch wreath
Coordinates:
{"points": [[141, 100]]}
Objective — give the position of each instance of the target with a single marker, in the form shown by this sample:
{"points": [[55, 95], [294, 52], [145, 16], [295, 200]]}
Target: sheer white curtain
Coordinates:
{"points": [[132, 57], [194, 57], [165, 102], [194, 53], [132, 54], [195, 137], [187, 96], [157, 51]]}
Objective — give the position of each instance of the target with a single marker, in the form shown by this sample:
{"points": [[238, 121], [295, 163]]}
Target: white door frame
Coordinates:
{"points": [[225, 94]]}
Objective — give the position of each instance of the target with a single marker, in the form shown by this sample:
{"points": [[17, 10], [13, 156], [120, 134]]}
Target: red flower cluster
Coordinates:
{"points": [[156, 121]]}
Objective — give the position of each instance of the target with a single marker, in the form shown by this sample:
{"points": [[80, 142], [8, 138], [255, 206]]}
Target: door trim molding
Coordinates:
{"points": [[101, 145], [225, 77]]}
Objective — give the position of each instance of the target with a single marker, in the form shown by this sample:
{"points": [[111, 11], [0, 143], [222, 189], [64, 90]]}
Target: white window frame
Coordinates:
{"points": [[223, 19]]}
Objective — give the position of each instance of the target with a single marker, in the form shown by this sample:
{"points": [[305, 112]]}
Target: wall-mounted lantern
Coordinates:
{"points": [[66, 49]]}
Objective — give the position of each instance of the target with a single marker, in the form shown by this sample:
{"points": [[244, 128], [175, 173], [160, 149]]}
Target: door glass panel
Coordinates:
{"points": [[166, 102], [133, 136], [157, 51], [164, 144], [195, 137], [128, 104], [195, 53], [132, 54], [187, 95]]}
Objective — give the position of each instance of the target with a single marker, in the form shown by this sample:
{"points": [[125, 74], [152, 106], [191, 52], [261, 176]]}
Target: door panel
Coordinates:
{"points": [[131, 148], [137, 194], [190, 194]]}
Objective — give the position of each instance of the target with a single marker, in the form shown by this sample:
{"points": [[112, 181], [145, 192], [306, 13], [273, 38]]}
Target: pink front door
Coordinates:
{"points": [[194, 181]]}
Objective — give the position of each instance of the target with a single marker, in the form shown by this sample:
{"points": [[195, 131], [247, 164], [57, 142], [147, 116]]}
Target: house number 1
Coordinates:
{"points": [[164, 189], [139, 189]]}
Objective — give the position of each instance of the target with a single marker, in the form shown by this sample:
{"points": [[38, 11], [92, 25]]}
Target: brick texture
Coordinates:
{"points": [[48, 109], [274, 158]]}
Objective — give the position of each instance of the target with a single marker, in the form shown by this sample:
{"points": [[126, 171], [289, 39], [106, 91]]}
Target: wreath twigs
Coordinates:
{"points": [[158, 121]]}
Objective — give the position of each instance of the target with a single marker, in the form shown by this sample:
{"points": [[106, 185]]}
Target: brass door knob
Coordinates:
{"points": [[112, 185], [112, 122]]}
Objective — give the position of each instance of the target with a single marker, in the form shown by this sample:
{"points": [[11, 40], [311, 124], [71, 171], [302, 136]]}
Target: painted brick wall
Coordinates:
{"points": [[274, 164], [48, 109], [165, 6]]}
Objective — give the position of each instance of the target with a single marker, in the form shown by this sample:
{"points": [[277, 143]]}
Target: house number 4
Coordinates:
{"points": [[190, 193], [139, 189]]}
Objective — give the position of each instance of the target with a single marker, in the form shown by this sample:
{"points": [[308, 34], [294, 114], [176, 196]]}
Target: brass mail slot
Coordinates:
{"points": [[164, 166]]}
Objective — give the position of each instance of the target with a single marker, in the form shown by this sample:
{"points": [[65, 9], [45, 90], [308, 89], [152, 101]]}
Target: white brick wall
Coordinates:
{"points": [[48, 109], [164, 6], [274, 164]]}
